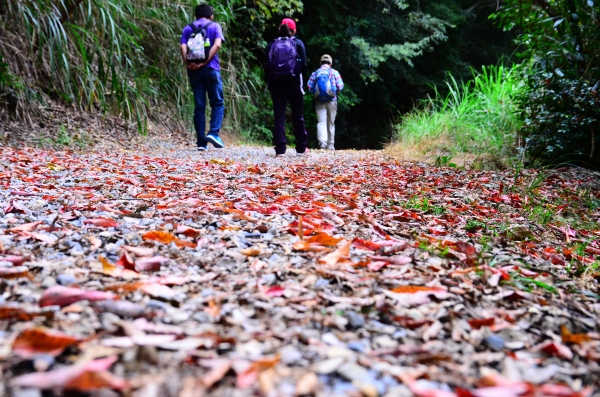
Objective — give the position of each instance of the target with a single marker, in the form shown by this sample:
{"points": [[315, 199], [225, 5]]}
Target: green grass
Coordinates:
{"points": [[122, 57], [475, 117], [423, 204]]}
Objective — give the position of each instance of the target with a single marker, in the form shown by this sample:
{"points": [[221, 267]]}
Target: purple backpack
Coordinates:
{"points": [[282, 58]]}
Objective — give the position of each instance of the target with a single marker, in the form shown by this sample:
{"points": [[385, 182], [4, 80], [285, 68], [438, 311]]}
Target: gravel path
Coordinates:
{"points": [[162, 271]]}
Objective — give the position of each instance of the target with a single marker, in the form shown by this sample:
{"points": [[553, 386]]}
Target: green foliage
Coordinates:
{"points": [[122, 56], [9, 84], [478, 116], [390, 54], [561, 110], [423, 204]]}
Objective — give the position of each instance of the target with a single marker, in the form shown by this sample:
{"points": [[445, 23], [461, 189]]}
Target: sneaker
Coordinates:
{"points": [[303, 154], [330, 147], [215, 140], [202, 148], [323, 145], [280, 155]]}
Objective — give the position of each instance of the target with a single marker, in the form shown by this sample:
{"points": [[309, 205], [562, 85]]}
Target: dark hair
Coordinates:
{"points": [[284, 31], [204, 11], [325, 62]]}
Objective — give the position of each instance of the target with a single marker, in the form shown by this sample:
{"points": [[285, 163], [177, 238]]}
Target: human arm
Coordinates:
{"points": [[311, 83], [213, 51], [339, 83], [302, 55], [266, 64], [185, 36]]}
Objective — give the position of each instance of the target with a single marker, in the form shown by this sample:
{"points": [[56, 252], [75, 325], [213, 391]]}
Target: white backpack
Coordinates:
{"points": [[198, 44]]}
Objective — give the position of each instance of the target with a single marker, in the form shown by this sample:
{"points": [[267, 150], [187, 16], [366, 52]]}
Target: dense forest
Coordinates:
{"points": [[442, 65]]}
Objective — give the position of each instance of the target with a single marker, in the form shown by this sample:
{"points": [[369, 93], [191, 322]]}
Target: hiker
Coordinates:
{"points": [[325, 83], [200, 42], [286, 63]]}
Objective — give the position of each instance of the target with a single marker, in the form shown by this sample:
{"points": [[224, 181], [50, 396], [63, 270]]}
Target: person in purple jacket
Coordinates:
{"points": [[205, 75]]}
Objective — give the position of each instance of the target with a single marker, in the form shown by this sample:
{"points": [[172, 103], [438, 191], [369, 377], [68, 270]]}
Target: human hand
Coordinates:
{"points": [[194, 66]]}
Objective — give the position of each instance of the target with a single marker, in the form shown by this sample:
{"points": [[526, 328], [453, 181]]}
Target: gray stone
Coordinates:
{"points": [[48, 282], [494, 342], [66, 279], [355, 320]]}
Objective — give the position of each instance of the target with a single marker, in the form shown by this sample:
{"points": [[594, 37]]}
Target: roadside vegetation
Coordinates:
{"points": [[472, 122], [544, 110]]}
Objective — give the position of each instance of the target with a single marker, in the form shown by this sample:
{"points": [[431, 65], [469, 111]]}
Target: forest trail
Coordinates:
{"points": [[166, 272]]}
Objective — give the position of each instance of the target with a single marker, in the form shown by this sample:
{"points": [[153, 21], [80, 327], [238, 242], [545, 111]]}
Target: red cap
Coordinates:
{"points": [[289, 22]]}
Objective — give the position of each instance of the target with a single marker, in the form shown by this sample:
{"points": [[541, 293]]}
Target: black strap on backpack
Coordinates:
{"points": [[199, 28]]}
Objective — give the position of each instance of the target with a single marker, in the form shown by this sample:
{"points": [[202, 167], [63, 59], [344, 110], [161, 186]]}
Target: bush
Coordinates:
{"points": [[561, 109], [561, 117], [477, 117]]}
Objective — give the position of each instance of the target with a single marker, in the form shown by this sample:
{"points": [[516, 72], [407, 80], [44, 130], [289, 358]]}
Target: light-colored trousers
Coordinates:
{"points": [[326, 112]]}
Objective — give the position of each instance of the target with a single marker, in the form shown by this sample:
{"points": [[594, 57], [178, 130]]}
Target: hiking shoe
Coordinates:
{"points": [[303, 154], [202, 148], [215, 140]]}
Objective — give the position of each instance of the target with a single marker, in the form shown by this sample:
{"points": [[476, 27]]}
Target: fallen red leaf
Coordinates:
{"points": [[64, 296], [101, 222], [14, 272], [150, 264], [333, 257], [88, 376], [36, 341], [275, 290], [568, 337], [482, 322]]}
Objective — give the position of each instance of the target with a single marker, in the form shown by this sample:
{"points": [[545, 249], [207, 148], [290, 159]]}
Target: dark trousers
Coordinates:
{"points": [[207, 81], [283, 92]]}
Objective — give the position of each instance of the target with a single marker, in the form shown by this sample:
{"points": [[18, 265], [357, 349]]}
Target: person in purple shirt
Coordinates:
{"points": [[205, 77]]}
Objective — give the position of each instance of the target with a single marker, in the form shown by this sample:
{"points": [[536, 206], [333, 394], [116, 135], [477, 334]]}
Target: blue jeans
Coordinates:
{"points": [[207, 81]]}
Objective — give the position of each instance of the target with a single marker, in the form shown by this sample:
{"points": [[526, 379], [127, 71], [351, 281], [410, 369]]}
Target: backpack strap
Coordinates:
{"points": [[196, 29]]}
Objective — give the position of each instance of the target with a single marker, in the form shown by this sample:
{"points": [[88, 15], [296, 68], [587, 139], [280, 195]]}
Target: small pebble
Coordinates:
{"points": [[494, 342], [66, 279], [48, 282], [355, 320]]}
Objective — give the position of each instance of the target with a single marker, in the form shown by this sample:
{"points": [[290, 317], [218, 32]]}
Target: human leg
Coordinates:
{"points": [[199, 92], [331, 113], [279, 104], [214, 88], [296, 98], [321, 109]]}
